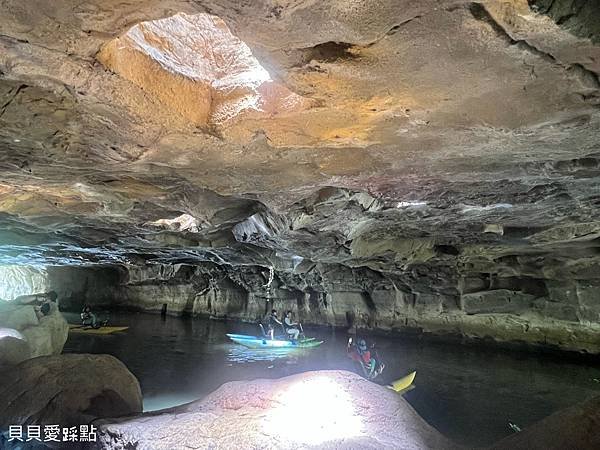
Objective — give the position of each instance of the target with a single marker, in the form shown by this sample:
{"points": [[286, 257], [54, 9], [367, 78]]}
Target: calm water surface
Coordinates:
{"points": [[468, 393]]}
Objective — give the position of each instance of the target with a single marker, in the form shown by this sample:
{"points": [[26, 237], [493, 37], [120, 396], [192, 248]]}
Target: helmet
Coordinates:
{"points": [[362, 345]]}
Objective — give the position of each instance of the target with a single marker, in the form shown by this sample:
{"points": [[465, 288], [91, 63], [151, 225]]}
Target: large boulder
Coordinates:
{"points": [[324, 409], [49, 336], [68, 390], [43, 334], [17, 316]]}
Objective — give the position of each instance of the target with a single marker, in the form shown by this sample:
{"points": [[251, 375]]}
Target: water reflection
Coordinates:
{"points": [[242, 355]]}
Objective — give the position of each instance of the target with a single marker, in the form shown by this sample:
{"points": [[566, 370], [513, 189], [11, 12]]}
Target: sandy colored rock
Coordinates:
{"points": [[194, 65], [325, 409]]}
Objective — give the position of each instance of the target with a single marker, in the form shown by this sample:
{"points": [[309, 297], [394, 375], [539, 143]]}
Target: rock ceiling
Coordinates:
{"points": [[376, 133]]}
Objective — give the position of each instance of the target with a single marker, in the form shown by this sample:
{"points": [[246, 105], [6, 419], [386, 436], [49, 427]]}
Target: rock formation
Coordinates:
{"points": [[511, 309], [67, 389], [326, 409], [13, 347], [416, 163], [26, 333]]}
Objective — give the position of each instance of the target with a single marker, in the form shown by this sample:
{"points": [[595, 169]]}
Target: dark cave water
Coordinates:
{"points": [[470, 394]]}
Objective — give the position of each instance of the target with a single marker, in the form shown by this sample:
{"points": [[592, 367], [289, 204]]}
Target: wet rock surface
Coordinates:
{"points": [[440, 156], [67, 389], [324, 409]]}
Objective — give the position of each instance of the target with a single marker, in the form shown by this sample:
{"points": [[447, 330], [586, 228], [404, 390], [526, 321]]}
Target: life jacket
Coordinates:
{"points": [[272, 321], [285, 324], [365, 356], [357, 355]]}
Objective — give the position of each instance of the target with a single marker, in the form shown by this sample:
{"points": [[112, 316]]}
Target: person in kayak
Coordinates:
{"points": [[368, 359], [291, 327], [272, 322], [89, 319]]}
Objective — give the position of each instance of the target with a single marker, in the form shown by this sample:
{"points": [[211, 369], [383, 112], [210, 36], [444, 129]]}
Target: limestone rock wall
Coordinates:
{"points": [[478, 305], [77, 286]]}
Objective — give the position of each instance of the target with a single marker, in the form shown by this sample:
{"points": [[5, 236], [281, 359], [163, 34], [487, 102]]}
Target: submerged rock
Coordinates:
{"points": [[324, 409], [577, 427], [68, 390]]}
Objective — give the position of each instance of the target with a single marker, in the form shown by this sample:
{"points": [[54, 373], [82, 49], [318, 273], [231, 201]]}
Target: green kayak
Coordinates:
{"points": [[257, 342]]}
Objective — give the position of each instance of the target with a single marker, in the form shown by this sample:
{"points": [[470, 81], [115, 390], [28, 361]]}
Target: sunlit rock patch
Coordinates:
{"points": [[184, 222], [324, 409], [194, 65]]}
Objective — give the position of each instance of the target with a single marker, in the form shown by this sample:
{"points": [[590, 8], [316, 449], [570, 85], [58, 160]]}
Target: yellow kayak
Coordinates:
{"points": [[403, 383], [88, 330]]}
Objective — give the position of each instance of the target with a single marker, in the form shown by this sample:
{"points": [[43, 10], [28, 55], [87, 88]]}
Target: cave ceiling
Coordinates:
{"points": [[385, 134]]}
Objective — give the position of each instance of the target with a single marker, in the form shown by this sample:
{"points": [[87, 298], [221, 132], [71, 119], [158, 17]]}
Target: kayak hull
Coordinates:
{"points": [[88, 330], [403, 383], [256, 342], [277, 338]]}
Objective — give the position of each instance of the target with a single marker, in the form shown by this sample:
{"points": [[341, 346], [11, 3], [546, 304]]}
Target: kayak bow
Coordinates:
{"points": [[403, 383]]}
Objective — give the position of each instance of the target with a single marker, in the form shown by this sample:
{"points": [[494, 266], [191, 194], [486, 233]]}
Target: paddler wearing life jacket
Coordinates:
{"points": [[273, 323], [360, 353], [291, 327]]}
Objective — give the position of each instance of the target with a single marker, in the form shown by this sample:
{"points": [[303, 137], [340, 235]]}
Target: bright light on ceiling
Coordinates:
{"points": [[313, 412]]}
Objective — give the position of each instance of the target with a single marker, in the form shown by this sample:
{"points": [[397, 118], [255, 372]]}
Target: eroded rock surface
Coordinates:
{"points": [[417, 153], [197, 67], [325, 409], [556, 313], [68, 390]]}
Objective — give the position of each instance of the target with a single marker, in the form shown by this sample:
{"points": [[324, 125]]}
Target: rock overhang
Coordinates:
{"points": [[498, 106]]}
